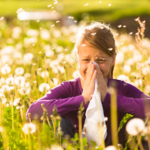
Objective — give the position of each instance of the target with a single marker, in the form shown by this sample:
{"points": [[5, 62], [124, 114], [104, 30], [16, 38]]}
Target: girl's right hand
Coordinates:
{"points": [[89, 83]]}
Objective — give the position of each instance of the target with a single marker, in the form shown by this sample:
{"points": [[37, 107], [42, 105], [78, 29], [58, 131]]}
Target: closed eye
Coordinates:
{"points": [[85, 59]]}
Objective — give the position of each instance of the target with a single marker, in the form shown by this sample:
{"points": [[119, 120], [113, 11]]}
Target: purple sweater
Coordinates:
{"points": [[67, 97]]}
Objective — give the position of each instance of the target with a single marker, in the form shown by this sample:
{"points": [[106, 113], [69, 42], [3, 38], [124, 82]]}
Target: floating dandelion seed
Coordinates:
{"points": [[49, 5], [124, 26], [119, 26], [57, 21], [52, 25], [116, 34], [38, 21], [75, 21], [29, 128], [1, 18], [137, 19], [34, 81], [83, 45], [93, 34], [109, 4], [86, 4], [33, 44], [110, 49], [55, 2], [40, 28], [135, 126], [137, 33], [100, 1], [131, 33], [19, 10], [53, 7]]}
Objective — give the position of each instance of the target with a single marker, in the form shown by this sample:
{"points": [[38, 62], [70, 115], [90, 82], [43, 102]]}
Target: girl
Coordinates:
{"points": [[95, 43]]}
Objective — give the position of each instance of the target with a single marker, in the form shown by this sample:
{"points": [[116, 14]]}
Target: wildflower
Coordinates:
{"points": [[130, 62], [16, 32], [4, 100], [24, 91], [28, 58], [138, 82], [147, 89], [76, 74], [59, 49], [45, 35], [1, 129], [49, 53], [44, 86], [124, 78], [32, 32], [5, 88], [19, 71], [135, 126], [56, 147], [16, 101], [69, 59], [7, 50], [119, 58], [55, 81], [126, 68], [44, 74], [29, 128], [20, 81], [5, 69], [10, 81], [110, 148], [27, 76], [137, 57]]}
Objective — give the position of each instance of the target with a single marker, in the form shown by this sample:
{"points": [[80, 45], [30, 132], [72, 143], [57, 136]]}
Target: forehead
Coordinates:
{"points": [[86, 50]]}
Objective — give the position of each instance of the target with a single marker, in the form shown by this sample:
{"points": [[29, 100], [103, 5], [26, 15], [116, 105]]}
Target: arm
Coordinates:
{"points": [[59, 96], [129, 100]]}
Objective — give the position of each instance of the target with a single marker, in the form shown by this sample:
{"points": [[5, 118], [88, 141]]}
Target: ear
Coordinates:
{"points": [[113, 60]]}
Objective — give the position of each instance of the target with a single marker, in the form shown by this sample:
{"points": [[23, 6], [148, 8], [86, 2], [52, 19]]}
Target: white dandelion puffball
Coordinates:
{"points": [[1, 129], [45, 34], [19, 71], [126, 68], [32, 32], [10, 81], [44, 86], [124, 78], [20, 81], [44, 74], [56, 147], [135, 126], [16, 101], [111, 148], [27, 59], [146, 130], [119, 58], [54, 81], [24, 90], [76, 74], [29, 128], [5, 69], [5, 87]]}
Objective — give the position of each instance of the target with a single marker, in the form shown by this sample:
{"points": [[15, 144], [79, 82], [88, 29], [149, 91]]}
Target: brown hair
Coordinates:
{"points": [[99, 36]]}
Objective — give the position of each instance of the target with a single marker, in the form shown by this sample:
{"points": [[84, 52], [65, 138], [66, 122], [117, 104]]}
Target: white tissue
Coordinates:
{"points": [[94, 115]]}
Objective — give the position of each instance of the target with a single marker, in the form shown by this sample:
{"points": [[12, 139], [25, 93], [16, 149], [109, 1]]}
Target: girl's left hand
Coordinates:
{"points": [[102, 83]]}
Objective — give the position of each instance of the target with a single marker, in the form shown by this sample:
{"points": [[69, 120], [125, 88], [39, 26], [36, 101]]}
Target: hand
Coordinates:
{"points": [[89, 83], [102, 83]]}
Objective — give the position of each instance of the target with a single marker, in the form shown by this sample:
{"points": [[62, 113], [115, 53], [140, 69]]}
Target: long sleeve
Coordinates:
{"points": [[129, 100], [66, 97]]}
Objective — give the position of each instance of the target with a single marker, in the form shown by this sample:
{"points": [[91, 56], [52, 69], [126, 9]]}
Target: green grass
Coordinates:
{"points": [[96, 10]]}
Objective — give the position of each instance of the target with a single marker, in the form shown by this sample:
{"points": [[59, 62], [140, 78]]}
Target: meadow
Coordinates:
{"points": [[36, 56]]}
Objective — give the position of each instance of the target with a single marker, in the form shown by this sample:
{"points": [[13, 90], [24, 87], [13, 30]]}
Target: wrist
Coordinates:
{"points": [[86, 100]]}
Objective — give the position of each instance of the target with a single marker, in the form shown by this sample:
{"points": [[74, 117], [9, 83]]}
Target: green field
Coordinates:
{"points": [[95, 9]]}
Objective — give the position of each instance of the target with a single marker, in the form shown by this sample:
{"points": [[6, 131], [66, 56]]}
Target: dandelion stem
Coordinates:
{"points": [[12, 112], [114, 116], [139, 142], [80, 129]]}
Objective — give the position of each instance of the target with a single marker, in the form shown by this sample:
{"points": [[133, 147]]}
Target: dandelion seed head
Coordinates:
{"points": [[109, 4], [5, 69], [135, 126], [44, 74], [29, 128], [24, 91], [19, 71], [44, 86], [4, 100], [16, 101]]}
